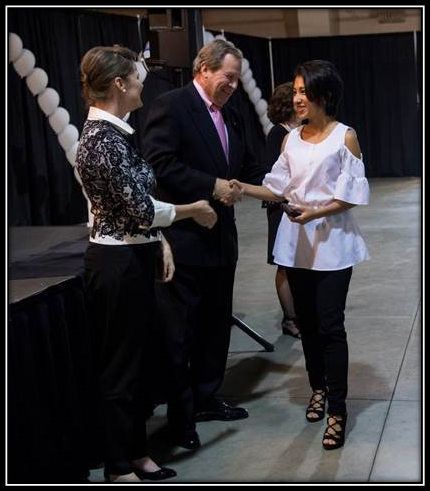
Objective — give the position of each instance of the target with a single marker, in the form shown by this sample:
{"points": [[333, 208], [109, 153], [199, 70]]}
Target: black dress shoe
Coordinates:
{"points": [[189, 440], [162, 473], [221, 411]]}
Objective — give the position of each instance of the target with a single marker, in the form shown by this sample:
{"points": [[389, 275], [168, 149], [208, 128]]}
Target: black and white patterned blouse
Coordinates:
{"points": [[118, 183]]}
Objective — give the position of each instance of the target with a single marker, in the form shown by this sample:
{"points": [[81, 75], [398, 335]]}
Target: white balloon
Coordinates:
{"points": [[264, 120], [59, 119], [68, 137], [261, 107], [25, 63], [71, 153], [48, 101], [245, 65], [37, 81], [15, 47], [255, 95], [266, 129], [250, 85], [246, 76]]}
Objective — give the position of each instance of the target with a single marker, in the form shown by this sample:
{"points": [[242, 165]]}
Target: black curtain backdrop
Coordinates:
{"points": [[256, 51], [255, 138], [382, 80], [42, 189]]}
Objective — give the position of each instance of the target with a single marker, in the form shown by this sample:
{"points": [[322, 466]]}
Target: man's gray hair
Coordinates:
{"points": [[213, 53]]}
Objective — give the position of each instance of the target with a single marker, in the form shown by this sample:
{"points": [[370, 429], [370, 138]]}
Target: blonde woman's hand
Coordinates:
{"points": [[204, 214], [167, 268]]}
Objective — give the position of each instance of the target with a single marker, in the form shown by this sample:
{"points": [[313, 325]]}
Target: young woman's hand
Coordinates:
{"points": [[306, 214]]}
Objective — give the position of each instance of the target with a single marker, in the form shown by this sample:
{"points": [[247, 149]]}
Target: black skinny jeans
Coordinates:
{"points": [[319, 302]]}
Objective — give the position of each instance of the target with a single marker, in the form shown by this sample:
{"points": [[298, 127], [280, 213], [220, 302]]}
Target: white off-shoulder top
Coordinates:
{"points": [[314, 174]]}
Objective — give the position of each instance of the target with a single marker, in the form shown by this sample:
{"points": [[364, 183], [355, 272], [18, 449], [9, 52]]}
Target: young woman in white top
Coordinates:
{"points": [[121, 259], [321, 175]]}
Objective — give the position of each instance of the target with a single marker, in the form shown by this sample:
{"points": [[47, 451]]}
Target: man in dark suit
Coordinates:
{"points": [[196, 145]]}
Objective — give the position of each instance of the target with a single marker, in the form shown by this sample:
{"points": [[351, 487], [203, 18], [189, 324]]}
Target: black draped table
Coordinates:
{"points": [[50, 405]]}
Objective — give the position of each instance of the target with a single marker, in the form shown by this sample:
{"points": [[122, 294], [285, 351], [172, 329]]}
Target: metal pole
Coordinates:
{"points": [[272, 77], [416, 66], [139, 33], [256, 337]]}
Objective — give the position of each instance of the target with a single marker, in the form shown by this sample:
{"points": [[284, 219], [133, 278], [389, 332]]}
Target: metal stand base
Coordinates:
{"points": [[241, 325]]}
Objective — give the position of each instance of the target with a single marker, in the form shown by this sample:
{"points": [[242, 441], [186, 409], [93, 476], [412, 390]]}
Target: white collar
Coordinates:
{"points": [[97, 114]]}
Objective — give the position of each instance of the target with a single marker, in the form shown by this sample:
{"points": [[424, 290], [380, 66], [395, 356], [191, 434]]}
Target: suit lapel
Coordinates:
{"points": [[233, 142], [203, 121]]}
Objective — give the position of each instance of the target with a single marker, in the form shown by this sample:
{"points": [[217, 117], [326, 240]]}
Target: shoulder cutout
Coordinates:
{"points": [[351, 142]]}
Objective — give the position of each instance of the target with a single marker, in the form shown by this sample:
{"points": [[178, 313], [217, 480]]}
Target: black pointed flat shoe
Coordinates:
{"points": [[162, 473]]}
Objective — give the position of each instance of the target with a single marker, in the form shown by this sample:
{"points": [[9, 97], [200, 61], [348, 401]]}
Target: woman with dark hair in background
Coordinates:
{"points": [[321, 174], [120, 261], [282, 114]]}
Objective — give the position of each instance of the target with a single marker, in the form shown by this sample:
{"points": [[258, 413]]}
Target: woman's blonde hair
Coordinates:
{"points": [[100, 66]]}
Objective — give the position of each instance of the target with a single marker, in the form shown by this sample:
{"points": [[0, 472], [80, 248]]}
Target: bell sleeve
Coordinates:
{"points": [[352, 185], [279, 177]]}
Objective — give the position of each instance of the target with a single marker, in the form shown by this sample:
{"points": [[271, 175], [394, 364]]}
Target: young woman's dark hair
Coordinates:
{"points": [[281, 108], [323, 84]]}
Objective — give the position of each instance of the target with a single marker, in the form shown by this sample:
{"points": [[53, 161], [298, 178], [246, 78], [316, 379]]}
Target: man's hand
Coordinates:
{"points": [[227, 192]]}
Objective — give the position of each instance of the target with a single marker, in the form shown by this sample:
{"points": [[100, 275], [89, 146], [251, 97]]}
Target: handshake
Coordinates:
{"points": [[228, 192]]}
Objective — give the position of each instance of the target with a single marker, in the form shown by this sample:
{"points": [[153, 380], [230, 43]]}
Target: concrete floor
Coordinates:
{"points": [[383, 321]]}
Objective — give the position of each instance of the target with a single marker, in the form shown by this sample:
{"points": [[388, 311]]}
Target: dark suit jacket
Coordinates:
{"points": [[182, 145]]}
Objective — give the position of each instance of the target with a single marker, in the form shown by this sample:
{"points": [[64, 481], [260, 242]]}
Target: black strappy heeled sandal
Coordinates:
{"points": [[335, 431], [316, 406]]}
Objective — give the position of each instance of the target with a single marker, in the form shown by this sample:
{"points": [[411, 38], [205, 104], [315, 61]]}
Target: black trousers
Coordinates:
{"points": [[319, 301], [120, 292], [195, 311]]}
